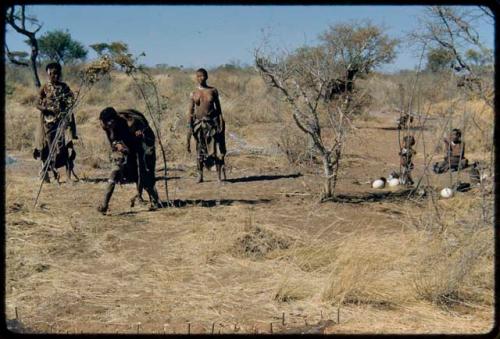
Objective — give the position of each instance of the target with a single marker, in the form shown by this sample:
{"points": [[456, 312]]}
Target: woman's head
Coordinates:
{"points": [[53, 71], [456, 134]]}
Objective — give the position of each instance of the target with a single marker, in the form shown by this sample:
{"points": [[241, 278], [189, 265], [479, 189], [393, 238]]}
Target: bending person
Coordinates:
{"points": [[133, 155]]}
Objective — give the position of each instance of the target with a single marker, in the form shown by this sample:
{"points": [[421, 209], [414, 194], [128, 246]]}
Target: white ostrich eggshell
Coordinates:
{"points": [[378, 184], [446, 192], [393, 182]]}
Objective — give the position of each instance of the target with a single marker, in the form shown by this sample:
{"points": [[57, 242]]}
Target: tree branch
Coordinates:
{"points": [[12, 59]]}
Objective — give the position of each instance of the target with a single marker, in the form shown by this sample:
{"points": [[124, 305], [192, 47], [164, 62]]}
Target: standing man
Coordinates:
{"points": [[206, 124]]}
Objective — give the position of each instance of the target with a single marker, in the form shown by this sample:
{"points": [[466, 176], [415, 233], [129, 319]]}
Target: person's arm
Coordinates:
{"points": [[41, 103], [190, 123], [447, 148], [220, 118], [70, 101], [115, 140]]}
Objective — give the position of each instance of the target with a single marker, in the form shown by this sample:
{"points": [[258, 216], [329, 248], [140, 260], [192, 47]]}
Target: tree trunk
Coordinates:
{"points": [[328, 170], [34, 55], [335, 173], [12, 19]]}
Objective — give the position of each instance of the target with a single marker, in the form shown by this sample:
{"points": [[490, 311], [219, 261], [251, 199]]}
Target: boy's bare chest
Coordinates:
{"points": [[203, 97]]}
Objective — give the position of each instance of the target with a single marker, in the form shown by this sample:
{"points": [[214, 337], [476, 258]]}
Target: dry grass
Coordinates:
{"points": [[263, 247]]}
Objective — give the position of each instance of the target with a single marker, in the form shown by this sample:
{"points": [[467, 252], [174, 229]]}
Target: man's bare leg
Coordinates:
{"points": [[107, 197], [200, 170]]}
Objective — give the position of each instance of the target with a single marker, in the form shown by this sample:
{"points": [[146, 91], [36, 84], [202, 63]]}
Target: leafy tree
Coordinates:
{"points": [[439, 59], [115, 48], [59, 46]]}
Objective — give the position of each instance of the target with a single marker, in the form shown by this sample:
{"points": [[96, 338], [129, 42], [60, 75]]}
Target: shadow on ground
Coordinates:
{"points": [[213, 202], [98, 180], [17, 326], [263, 177], [374, 197], [402, 130]]}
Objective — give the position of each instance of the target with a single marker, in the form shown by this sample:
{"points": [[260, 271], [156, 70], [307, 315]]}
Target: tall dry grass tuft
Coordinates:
{"points": [[20, 125], [365, 270], [294, 288], [454, 263]]}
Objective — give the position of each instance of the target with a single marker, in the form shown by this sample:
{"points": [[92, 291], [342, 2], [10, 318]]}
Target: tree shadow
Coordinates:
{"points": [[212, 202], [373, 197], [263, 177]]}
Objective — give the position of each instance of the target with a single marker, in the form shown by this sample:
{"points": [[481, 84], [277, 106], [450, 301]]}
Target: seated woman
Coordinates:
{"points": [[454, 157]]}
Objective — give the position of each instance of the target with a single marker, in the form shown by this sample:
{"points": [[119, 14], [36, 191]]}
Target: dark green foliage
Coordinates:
{"points": [[114, 48], [59, 46], [439, 59]]}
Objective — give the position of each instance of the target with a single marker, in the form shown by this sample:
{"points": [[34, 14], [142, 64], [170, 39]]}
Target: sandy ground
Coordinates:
{"points": [[71, 269]]}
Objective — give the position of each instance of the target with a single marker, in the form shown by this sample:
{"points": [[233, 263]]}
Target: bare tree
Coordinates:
{"points": [[452, 29], [16, 18], [318, 82]]}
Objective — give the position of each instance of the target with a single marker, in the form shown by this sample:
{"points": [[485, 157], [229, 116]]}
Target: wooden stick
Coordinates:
{"points": [[283, 318], [189, 328], [17, 314], [213, 328], [271, 327]]}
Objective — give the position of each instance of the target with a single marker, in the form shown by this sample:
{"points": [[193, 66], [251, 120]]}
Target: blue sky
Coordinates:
{"points": [[207, 36]]}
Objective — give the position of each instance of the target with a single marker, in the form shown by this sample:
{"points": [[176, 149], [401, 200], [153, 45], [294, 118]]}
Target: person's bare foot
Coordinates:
{"points": [[101, 208]]}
